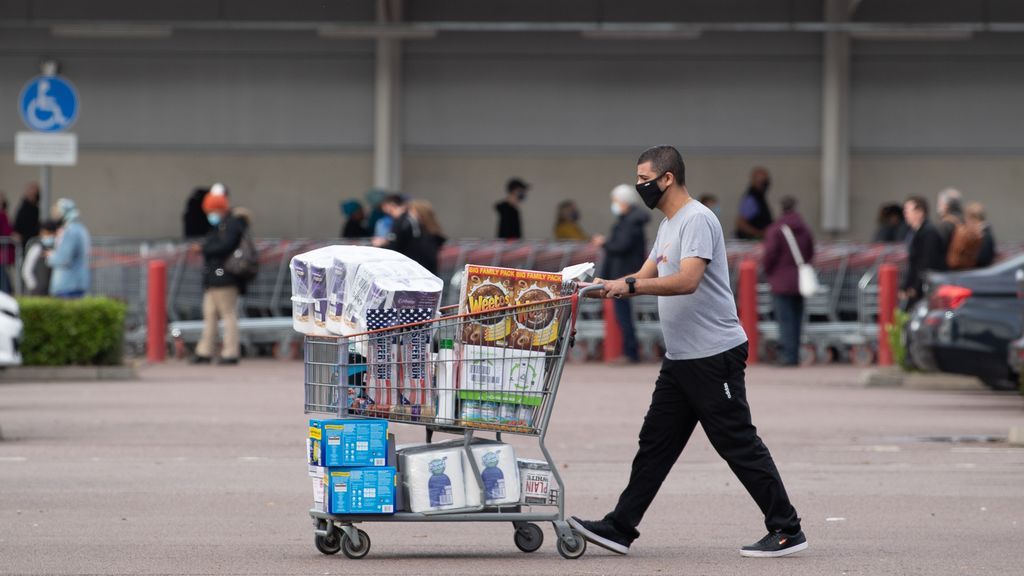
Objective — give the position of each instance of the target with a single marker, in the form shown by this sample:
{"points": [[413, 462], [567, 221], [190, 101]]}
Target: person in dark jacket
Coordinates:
{"points": [[408, 235], [355, 220], [755, 214], [509, 224], [891, 227], [35, 272], [26, 221], [926, 250], [974, 214], [194, 223], [220, 288], [625, 251], [780, 267]]}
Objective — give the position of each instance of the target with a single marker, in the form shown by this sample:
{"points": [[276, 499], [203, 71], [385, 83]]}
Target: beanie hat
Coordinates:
{"points": [[215, 200]]}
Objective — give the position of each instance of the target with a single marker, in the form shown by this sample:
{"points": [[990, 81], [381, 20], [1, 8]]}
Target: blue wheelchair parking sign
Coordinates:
{"points": [[49, 104]]}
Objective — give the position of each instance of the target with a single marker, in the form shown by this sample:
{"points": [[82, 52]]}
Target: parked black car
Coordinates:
{"points": [[967, 321]]}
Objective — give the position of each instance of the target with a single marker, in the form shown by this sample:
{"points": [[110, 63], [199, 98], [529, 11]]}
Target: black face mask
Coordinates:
{"points": [[650, 193]]}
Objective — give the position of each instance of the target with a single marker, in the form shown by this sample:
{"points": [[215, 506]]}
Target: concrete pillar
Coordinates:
{"points": [[387, 121], [835, 140]]}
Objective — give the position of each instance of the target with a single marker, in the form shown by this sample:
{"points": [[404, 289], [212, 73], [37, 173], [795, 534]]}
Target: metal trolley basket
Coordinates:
{"points": [[407, 374]]}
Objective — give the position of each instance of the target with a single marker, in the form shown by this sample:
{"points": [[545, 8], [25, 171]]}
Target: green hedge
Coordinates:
{"points": [[59, 332]]}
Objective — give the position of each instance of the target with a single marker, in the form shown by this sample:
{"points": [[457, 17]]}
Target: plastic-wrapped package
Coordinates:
{"points": [[391, 284], [432, 477]]}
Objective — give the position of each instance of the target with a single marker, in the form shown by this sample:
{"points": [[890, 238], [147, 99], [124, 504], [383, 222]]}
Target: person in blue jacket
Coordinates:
{"points": [[70, 257]]}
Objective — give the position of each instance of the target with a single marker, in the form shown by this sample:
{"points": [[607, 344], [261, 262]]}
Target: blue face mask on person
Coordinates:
{"points": [[213, 218], [46, 241]]}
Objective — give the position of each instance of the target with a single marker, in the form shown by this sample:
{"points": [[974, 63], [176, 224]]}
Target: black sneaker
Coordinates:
{"points": [[200, 360], [228, 362], [776, 544], [602, 533]]}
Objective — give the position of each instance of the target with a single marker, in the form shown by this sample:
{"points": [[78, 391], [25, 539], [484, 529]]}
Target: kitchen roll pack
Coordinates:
{"points": [[432, 477], [419, 465]]}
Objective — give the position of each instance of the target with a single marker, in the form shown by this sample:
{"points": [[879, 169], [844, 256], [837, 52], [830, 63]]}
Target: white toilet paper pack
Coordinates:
{"points": [[345, 261], [499, 472], [432, 477], [309, 273], [495, 460], [322, 281], [392, 284]]}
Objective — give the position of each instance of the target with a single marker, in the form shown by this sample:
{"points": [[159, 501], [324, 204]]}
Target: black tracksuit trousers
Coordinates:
{"points": [[710, 391]]}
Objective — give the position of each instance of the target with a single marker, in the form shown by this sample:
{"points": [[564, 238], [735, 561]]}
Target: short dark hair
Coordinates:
{"points": [[396, 199], [788, 203], [919, 202], [515, 184], [665, 159]]}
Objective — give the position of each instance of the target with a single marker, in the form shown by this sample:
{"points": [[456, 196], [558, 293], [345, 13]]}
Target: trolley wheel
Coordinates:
{"points": [[350, 550], [808, 355], [529, 537], [329, 544], [862, 355], [572, 552]]}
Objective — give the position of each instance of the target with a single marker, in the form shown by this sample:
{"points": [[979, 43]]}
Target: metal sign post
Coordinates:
{"points": [[49, 106]]}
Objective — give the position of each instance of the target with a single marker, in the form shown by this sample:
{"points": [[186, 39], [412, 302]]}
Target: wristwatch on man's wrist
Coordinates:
{"points": [[631, 282]]}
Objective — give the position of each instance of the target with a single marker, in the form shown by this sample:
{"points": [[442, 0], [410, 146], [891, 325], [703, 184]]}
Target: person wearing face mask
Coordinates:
{"points": [[624, 252], [702, 379], [220, 288], [35, 272], [509, 223], [8, 238], [69, 259], [755, 214], [567, 222]]}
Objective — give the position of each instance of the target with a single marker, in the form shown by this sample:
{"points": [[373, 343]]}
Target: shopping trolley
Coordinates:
{"points": [[441, 374]]}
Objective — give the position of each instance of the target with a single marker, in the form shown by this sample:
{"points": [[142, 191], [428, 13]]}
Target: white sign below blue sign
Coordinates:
{"points": [[48, 104]]}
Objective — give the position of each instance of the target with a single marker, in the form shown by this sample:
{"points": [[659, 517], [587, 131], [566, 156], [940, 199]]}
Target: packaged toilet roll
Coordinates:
{"points": [[499, 472], [324, 281], [345, 261], [433, 477], [495, 460], [390, 284], [309, 272]]}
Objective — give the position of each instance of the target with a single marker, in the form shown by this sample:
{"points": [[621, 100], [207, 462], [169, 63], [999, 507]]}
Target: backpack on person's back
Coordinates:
{"points": [[964, 246], [244, 262]]}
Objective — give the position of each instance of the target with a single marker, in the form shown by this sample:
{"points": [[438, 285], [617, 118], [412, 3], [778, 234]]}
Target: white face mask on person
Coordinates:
{"points": [[616, 209]]}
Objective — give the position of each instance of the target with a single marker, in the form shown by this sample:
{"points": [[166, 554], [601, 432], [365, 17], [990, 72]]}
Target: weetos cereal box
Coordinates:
{"points": [[528, 328], [486, 289]]}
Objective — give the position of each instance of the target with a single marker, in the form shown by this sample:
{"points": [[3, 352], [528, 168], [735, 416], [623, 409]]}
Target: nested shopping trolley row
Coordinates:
{"points": [[447, 375]]}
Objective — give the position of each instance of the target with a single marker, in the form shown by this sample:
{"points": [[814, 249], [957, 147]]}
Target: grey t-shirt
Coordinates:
{"points": [[704, 323]]}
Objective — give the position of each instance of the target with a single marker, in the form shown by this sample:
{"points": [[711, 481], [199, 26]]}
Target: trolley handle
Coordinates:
{"points": [[591, 288]]}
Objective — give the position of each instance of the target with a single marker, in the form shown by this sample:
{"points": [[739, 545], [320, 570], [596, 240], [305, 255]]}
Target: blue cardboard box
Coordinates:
{"points": [[347, 443], [360, 490]]}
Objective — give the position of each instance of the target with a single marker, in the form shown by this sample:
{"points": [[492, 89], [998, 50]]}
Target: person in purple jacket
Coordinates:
{"points": [[781, 269]]}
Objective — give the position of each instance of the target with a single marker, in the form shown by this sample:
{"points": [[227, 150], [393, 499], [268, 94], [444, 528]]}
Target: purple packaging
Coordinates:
{"points": [[336, 291], [318, 293], [300, 290]]}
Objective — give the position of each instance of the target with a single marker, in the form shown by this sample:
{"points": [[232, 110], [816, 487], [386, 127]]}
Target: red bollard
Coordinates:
{"points": [[156, 316], [612, 333], [888, 276], [748, 306]]}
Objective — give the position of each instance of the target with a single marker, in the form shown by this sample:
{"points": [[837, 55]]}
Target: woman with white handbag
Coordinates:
{"points": [[788, 251]]}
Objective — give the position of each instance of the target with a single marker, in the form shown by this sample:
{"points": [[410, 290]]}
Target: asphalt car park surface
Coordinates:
{"points": [[200, 470]]}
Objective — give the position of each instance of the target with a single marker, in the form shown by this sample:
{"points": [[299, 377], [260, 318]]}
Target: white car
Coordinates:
{"points": [[10, 331]]}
